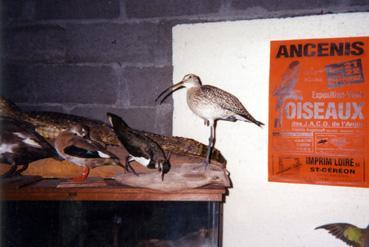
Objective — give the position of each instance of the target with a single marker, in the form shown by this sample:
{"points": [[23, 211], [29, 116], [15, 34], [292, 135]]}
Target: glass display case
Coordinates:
{"points": [[93, 223], [43, 215]]}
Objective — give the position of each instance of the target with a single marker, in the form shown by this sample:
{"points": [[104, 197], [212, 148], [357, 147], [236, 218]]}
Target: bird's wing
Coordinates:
{"points": [[145, 142], [22, 131], [155, 147], [84, 153], [229, 102], [80, 152], [348, 233], [135, 143], [222, 98], [25, 133], [83, 148]]}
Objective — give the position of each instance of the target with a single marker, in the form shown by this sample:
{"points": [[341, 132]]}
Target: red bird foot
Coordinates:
{"points": [[83, 176]]}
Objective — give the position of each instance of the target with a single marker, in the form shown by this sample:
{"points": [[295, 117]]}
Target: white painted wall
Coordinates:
{"points": [[235, 57]]}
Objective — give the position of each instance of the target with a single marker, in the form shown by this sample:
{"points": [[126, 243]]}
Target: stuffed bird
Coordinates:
{"points": [[140, 147], [20, 145], [75, 146], [211, 104]]}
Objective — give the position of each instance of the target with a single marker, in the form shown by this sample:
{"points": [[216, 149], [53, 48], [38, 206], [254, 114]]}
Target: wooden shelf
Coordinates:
{"points": [[103, 190]]}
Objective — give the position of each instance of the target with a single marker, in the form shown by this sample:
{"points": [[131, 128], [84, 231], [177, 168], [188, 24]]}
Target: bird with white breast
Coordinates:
{"points": [[211, 104]]}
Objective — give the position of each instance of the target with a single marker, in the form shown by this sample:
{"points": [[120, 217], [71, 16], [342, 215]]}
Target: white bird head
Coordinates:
{"points": [[188, 81]]}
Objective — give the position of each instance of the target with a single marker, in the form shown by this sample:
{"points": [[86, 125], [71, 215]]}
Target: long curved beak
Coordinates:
{"points": [[169, 91]]}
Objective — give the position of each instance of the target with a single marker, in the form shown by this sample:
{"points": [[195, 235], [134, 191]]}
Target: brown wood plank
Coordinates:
{"points": [[108, 191]]}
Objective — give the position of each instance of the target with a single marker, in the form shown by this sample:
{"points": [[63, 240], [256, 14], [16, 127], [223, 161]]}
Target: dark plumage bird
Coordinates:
{"points": [[140, 148], [20, 145], [75, 146], [211, 104], [350, 234]]}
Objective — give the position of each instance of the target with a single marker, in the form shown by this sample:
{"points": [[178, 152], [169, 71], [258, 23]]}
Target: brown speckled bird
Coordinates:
{"points": [[348, 233], [211, 104]]}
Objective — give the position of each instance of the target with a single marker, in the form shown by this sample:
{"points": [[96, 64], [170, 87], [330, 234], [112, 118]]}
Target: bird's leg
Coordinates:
{"points": [[12, 170], [206, 122], [128, 166], [18, 172], [210, 145], [84, 175], [161, 170]]}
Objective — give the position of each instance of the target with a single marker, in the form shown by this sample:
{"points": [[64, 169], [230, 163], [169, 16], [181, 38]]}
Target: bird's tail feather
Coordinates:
{"points": [[258, 123], [250, 119]]}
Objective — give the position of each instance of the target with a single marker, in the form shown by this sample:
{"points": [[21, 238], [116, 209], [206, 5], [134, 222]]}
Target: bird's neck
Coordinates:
{"points": [[192, 89], [188, 86]]}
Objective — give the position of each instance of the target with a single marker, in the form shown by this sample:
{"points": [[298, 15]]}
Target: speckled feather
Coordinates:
{"points": [[51, 124], [210, 102]]}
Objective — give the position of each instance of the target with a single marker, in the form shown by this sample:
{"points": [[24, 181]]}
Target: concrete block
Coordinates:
{"points": [[141, 118], [127, 43], [97, 112], [154, 119], [282, 5], [36, 43], [19, 10], [164, 119], [358, 3], [163, 8], [14, 85], [47, 83], [42, 107], [76, 9], [145, 84]]}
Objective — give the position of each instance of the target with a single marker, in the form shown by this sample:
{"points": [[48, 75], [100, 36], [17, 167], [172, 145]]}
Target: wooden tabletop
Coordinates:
{"points": [[99, 189]]}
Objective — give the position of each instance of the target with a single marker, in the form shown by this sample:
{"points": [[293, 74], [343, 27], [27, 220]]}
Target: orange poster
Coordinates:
{"points": [[318, 111]]}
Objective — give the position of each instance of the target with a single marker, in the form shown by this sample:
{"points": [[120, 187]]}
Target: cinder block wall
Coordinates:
{"points": [[87, 57]]}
